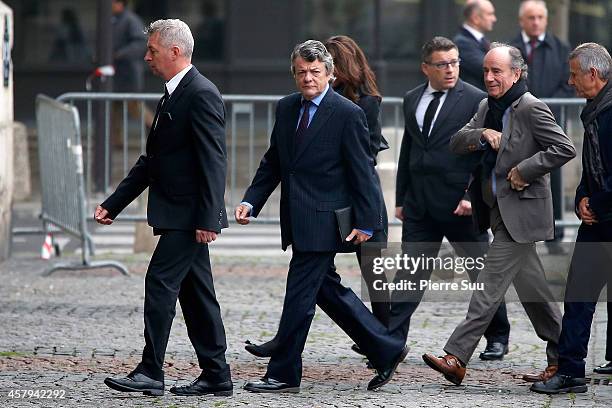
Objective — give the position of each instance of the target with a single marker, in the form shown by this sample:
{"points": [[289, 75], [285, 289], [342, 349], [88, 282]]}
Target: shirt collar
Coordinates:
{"points": [[318, 99], [430, 90], [527, 39], [175, 80], [477, 34]]}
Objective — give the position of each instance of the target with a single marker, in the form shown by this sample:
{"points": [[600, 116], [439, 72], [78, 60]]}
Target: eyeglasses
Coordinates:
{"points": [[445, 64]]}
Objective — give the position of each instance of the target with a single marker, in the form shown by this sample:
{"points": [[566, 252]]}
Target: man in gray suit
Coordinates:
{"points": [[521, 144]]}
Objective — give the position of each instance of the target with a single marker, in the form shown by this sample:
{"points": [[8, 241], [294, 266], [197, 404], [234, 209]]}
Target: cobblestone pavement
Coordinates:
{"points": [[70, 330]]}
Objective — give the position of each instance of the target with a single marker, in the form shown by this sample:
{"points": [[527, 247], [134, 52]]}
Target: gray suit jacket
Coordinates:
{"points": [[532, 141]]}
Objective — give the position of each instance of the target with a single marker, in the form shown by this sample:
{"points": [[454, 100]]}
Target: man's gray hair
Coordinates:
{"points": [[593, 55], [173, 32], [516, 58], [310, 51], [538, 2]]}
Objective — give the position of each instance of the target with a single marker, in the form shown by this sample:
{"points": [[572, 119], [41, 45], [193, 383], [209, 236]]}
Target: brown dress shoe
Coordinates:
{"points": [[449, 365], [545, 375]]}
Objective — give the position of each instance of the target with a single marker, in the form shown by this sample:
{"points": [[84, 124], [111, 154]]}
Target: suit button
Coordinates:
{"points": [[151, 156], [292, 173]]}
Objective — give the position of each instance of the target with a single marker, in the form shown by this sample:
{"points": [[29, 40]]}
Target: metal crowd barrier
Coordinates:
{"points": [[61, 178], [250, 122]]}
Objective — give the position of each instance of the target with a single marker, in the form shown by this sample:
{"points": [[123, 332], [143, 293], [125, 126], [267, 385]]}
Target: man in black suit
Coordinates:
{"points": [[184, 168], [546, 57], [319, 153], [479, 17], [590, 70], [431, 184]]}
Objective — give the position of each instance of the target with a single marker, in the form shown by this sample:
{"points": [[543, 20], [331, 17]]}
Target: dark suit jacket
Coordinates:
{"points": [[472, 53], [600, 201], [549, 71], [429, 176], [185, 162], [332, 168]]}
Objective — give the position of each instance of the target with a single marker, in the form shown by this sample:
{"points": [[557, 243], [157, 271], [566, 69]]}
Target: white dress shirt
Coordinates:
{"points": [[477, 34], [424, 103], [175, 80]]}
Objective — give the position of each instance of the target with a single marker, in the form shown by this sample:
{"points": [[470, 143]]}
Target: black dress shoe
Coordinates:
{"points": [[136, 382], [384, 375], [494, 351], [270, 385], [202, 386], [262, 350], [370, 366], [604, 368], [559, 384], [357, 350]]}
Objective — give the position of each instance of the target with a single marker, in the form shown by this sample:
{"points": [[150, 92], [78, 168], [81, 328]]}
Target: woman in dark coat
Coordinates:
{"points": [[356, 81]]}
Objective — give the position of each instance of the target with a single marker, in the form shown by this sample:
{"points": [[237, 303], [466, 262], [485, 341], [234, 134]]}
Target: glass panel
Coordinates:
{"points": [[324, 18], [400, 29]]}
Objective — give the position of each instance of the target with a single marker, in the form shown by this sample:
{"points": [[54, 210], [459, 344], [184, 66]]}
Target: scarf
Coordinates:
{"points": [[494, 118], [591, 156]]}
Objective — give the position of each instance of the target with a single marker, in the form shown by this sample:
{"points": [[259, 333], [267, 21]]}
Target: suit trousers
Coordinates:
{"points": [[508, 262], [424, 237], [311, 280], [589, 274], [180, 268]]}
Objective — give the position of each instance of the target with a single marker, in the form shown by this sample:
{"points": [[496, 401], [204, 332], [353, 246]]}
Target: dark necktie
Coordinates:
{"points": [[303, 125], [431, 112], [160, 105], [533, 43]]}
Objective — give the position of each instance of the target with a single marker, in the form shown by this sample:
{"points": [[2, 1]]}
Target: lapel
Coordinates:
{"points": [[507, 131], [518, 42], [178, 92], [412, 124], [453, 96], [324, 111], [291, 125], [152, 130], [192, 73]]}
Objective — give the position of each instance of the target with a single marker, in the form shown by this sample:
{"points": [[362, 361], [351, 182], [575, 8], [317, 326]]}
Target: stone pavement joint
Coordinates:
{"points": [[72, 329]]}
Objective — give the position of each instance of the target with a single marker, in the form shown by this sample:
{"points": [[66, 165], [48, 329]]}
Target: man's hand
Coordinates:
{"points": [[493, 137], [516, 181], [585, 213], [101, 216], [399, 213], [242, 214], [359, 237], [464, 208], [205, 237]]}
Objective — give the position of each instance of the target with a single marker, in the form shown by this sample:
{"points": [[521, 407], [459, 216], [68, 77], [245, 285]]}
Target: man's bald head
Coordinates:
{"points": [[479, 14]]}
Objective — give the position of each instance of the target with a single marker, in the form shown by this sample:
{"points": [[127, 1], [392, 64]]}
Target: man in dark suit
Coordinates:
{"points": [[184, 168], [479, 17], [319, 153], [431, 183], [590, 69], [546, 57]]}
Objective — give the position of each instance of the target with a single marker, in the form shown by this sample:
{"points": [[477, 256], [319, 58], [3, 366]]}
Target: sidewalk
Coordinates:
{"points": [[72, 329]]}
